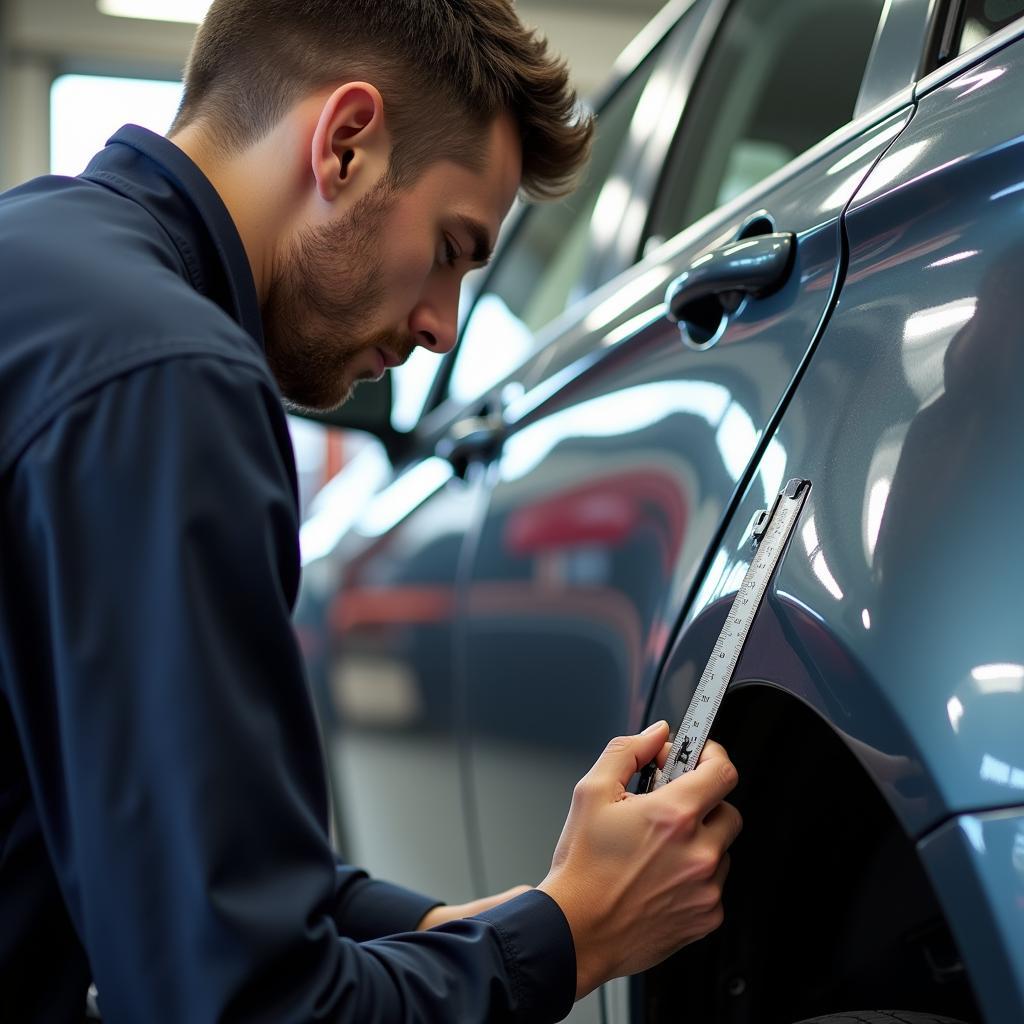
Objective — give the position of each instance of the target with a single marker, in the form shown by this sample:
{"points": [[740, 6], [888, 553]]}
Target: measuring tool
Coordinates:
{"points": [[771, 530]]}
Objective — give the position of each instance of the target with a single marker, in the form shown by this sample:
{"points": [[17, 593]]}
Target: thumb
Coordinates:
{"points": [[626, 755]]}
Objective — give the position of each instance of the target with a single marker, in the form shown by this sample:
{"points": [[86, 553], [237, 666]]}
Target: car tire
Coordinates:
{"points": [[881, 1017]]}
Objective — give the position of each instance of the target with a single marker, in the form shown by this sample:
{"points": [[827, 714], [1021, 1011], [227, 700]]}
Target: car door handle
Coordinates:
{"points": [[754, 267], [474, 439]]}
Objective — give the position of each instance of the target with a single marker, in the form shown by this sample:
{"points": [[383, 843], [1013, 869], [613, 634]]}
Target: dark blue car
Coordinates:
{"points": [[799, 253]]}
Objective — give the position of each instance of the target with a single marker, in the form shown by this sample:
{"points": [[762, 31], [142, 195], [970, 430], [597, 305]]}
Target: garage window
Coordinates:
{"points": [[85, 110]]}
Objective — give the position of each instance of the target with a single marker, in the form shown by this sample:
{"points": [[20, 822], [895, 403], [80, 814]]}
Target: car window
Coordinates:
{"points": [[539, 273], [778, 79], [973, 21]]}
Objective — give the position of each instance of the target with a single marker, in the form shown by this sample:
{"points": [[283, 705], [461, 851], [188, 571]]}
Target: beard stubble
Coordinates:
{"points": [[316, 310]]}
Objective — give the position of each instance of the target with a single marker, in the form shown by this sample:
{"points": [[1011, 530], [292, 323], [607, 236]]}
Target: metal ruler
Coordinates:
{"points": [[771, 531]]}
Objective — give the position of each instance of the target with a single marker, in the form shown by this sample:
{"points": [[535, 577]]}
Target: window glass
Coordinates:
{"points": [[976, 20], [539, 273], [85, 110], [778, 79]]}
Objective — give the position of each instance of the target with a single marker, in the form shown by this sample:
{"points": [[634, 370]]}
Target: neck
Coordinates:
{"points": [[254, 185]]}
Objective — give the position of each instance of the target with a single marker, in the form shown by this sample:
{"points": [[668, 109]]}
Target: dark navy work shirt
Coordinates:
{"points": [[162, 797]]}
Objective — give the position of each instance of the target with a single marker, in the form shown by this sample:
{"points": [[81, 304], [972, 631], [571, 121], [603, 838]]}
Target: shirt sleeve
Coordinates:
{"points": [[171, 744], [367, 908]]}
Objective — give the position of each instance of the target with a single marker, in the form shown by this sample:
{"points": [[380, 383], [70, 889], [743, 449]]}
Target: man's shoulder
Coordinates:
{"points": [[92, 291], [96, 266]]}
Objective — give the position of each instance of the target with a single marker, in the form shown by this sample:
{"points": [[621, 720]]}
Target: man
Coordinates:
{"points": [[336, 168]]}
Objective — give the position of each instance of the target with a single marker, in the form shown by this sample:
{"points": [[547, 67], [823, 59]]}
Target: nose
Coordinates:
{"points": [[434, 322]]}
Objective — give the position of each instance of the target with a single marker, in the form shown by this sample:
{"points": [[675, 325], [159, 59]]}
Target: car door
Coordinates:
{"points": [[384, 669], [890, 644], [624, 439]]}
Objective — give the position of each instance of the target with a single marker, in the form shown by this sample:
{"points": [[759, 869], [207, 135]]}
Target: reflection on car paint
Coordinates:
{"points": [[629, 411], [394, 503]]}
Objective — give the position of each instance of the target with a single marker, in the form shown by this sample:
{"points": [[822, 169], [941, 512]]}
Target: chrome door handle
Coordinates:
{"points": [[753, 267]]}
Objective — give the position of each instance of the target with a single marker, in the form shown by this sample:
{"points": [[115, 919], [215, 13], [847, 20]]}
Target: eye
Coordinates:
{"points": [[451, 252]]}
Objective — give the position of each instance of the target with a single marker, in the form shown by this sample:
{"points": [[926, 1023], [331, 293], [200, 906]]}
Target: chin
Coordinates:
{"points": [[315, 403]]}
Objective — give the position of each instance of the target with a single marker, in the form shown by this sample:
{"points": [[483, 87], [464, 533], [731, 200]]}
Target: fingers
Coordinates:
{"points": [[713, 751], [723, 825], [625, 756], [713, 779], [718, 886], [663, 754], [721, 874]]}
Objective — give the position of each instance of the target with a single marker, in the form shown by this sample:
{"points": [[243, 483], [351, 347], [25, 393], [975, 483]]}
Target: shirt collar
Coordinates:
{"points": [[159, 176]]}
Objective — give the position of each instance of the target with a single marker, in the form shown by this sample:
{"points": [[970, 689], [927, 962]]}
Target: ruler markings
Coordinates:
{"points": [[774, 527]]}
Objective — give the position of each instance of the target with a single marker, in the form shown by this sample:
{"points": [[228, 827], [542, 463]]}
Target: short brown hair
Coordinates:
{"points": [[446, 70]]}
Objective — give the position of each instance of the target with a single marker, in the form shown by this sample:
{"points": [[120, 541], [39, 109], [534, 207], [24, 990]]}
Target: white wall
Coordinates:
{"points": [[42, 38]]}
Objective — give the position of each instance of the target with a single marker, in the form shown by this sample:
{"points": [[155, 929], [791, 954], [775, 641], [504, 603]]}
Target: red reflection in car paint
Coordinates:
{"points": [[605, 511]]}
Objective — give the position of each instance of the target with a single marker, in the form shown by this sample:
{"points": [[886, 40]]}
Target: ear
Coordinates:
{"points": [[351, 147]]}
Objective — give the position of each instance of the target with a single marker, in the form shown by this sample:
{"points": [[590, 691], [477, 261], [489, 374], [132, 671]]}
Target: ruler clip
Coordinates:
{"points": [[762, 519]]}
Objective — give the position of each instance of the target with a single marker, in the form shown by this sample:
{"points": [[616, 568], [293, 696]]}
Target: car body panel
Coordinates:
{"points": [[895, 612], [909, 551], [976, 863], [602, 503]]}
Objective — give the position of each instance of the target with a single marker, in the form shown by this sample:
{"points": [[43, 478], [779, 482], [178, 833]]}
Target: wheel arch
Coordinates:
{"points": [[827, 904]]}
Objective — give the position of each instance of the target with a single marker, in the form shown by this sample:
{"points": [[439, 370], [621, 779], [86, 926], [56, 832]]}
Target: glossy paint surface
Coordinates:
{"points": [[976, 863], [602, 502], [896, 612]]}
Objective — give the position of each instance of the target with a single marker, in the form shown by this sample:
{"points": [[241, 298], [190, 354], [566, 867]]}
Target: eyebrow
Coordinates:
{"points": [[483, 248]]}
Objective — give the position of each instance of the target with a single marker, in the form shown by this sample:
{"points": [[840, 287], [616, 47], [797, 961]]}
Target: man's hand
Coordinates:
{"points": [[442, 915], [640, 876]]}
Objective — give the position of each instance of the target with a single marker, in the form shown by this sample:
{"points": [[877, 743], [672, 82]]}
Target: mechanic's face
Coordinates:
{"points": [[357, 295]]}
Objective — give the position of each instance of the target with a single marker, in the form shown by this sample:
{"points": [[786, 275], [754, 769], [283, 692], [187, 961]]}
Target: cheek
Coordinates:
{"points": [[407, 277]]}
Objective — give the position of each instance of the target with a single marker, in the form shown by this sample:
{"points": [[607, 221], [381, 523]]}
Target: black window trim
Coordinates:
{"points": [[946, 27], [975, 55], [945, 33]]}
